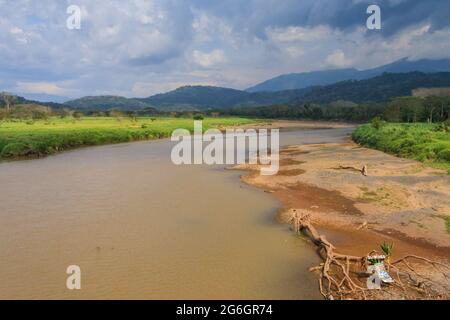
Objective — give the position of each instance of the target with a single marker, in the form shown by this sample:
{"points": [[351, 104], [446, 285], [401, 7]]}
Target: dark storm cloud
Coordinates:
{"points": [[141, 47], [257, 15]]}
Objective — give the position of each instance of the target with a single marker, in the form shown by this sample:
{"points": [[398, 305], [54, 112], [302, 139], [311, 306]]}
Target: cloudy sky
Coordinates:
{"points": [[142, 47]]}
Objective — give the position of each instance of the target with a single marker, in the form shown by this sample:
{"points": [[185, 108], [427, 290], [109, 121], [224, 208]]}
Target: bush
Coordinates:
{"points": [[17, 149], [444, 155], [376, 123], [198, 117], [443, 126]]}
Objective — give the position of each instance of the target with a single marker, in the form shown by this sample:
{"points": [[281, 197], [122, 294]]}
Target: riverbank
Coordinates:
{"points": [[400, 201], [428, 143], [31, 139], [291, 125]]}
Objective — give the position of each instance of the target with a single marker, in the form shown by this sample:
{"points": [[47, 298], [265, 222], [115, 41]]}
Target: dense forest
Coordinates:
{"points": [[400, 109]]}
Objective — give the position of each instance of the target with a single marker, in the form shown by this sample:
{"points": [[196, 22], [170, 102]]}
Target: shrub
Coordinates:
{"points": [[17, 149], [77, 115], [443, 126], [444, 154], [198, 117], [376, 123]]}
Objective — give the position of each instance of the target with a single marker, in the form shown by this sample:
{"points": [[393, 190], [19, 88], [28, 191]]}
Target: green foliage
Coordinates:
{"points": [[387, 248], [401, 109], [198, 117], [443, 126], [447, 224], [26, 111], [19, 138], [107, 103], [376, 123], [340, 110], [417, 141], [14, 150], [77, 115], [418, 109]]}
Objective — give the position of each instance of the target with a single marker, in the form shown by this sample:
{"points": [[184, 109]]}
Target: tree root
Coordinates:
{"points": [[344, 276]]}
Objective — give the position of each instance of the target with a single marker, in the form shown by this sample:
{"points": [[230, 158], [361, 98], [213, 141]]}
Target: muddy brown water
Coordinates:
{"points": [[142, 228]]}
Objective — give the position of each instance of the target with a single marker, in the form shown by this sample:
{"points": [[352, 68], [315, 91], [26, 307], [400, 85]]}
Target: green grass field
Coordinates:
{"points": [[428, 143], [20, 139]]}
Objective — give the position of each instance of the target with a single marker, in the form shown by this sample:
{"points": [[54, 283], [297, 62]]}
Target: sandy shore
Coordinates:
{"points": [[286, 125], [400, 201]]}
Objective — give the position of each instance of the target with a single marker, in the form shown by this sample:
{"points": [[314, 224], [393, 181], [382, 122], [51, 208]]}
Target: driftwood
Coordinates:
{"points": [[364, 171], [344, 276]]}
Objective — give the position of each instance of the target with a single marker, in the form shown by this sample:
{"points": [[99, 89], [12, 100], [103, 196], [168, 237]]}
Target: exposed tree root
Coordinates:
{"points": [[344, 276]]}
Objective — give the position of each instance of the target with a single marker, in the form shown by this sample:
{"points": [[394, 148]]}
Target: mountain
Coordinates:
{"points": [[190, 98], [303, 80], [41, 97], [107, 103], [319, 78], [207, 97], [196, 97], [20, 100], [377, 89]]}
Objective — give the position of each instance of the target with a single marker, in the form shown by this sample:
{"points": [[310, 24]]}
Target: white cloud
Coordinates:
{"points": [[16, 30], [210, 59], [40, 87], [295, 33], [338, 59], [141, 47], [295, 52]]}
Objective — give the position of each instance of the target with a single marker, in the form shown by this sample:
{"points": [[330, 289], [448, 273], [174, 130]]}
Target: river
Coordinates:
{"points": [[140, 227]]}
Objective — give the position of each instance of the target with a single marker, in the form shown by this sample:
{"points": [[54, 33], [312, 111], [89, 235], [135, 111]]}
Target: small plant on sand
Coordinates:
{"points": [[387, 250]]}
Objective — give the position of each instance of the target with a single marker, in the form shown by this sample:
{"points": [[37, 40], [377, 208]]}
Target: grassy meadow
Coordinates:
{"points": [[429, 143], [29, 138]]}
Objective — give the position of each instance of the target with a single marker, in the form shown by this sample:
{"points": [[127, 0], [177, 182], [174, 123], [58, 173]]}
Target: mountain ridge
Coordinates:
{"points": [[203, 98], [326, 77]]}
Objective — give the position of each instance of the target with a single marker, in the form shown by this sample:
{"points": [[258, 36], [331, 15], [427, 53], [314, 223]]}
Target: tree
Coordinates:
{"points": [[405, 109], [432, 106], [8, 99]]}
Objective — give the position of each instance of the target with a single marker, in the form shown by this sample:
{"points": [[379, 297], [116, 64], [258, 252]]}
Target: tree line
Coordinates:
{"points": [[401, 109]]}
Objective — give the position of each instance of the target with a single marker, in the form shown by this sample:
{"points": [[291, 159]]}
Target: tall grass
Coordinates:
{"points": [[429, 143], [38, 138]]}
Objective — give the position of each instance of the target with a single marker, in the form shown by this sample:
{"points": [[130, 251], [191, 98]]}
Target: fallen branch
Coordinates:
{"points": [[363, 171]]}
